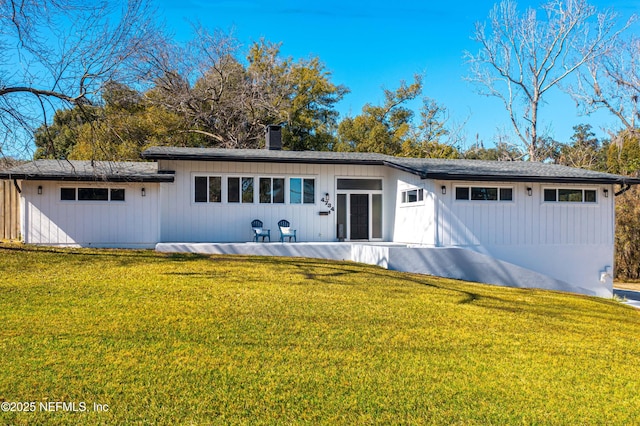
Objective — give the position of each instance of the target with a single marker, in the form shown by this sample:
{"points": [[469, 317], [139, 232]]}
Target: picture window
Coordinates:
{"points": [[569, 195], [92, 194], [484, 193]]}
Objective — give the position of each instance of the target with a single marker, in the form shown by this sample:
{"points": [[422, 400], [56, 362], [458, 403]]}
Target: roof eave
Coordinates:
{"points": [[533, 179], [79, 178], [257, 159], [407, 169]]}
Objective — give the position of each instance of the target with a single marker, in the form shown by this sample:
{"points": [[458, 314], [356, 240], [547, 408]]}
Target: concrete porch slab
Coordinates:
{"points": [[334, 251]]}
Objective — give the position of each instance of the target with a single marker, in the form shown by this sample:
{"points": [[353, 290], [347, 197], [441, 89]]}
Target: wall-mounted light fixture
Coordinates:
{"points": [[40, 190], [529, 192], [443, 189], [606, 193], [144, 192]]}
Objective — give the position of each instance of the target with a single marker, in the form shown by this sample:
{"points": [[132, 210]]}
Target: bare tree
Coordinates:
{"points": [[203, 82], [612, 82], [229, 101], [523, 56], [220, 98], [59, 53]]}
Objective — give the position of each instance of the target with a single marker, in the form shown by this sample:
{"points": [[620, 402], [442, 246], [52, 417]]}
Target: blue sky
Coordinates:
{"points": [[368, 45]]}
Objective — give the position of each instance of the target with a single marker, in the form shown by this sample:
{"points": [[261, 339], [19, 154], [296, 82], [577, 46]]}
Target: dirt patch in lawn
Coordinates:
{"points": [[627, 286]]}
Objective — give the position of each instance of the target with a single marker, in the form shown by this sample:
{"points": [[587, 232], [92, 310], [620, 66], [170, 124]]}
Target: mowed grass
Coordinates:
{"points": [[187, 339]]}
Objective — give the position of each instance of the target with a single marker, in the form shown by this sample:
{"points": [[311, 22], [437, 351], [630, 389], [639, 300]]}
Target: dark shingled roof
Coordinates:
{"points": [[426, 168], [72, 170], [262, 155], [513, 171]]}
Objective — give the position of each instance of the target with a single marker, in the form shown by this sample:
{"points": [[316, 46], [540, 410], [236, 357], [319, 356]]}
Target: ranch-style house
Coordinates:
{"points": [[522, 224]]}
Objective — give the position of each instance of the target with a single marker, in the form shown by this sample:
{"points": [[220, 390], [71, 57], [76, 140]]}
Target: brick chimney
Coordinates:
{"points": [[273, 138]]}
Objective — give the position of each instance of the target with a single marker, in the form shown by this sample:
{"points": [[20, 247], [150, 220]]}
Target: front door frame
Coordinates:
{"points": [[370, 193]]}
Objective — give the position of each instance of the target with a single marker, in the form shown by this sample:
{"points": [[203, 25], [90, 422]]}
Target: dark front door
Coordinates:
{"points": [[359, 204]]}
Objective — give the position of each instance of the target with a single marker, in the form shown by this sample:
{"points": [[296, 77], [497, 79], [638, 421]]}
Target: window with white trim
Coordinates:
{"points": [[239, 189], [569, 195], [484, 193], [208, 189], [271, 190], [302, 190], [252, 189], [412, 195], [91, 194]]}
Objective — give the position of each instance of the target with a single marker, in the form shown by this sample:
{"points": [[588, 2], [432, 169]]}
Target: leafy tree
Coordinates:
{"points": [[300, 94], [57, 141], [119, 129], [432, 137], [430, 149], [383, 129], [126, 125], [502, 151], [548, 150], [389, 129], [311, 118], [623, 157], [122, 135], [585, 150], [627, 240], [523, 56]]}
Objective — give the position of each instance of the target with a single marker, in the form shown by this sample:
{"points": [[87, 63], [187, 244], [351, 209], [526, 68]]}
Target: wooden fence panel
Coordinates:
{"points": [[9, 211]]}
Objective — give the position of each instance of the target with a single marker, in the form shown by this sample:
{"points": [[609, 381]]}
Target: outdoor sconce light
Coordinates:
{"points": [[40, 190], [606, 193], [144, 193], [529, 192], [444, 189]]}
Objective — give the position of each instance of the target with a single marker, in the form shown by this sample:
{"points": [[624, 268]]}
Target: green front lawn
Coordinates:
{"points": [[186, 339]]}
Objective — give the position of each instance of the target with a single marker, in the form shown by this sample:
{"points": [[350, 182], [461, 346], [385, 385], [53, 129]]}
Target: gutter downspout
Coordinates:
{"points": [[623, 190], [15, 183]]}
